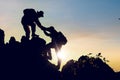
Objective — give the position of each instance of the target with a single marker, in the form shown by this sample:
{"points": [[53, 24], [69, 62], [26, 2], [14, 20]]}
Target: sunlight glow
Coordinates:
{"points": [[61, 54]]}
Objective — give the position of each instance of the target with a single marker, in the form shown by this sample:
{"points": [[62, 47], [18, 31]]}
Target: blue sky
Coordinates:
{"points": [[89, 25]]}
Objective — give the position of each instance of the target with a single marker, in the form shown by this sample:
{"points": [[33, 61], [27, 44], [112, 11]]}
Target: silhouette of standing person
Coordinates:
{"points": [[31, 18], [55, 42]]}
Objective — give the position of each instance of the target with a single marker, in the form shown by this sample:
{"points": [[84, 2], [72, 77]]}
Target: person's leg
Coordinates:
{"points": [[49, 54], [27, 31], [48, 48], [33, 27], [57, 49], [59, 63]]}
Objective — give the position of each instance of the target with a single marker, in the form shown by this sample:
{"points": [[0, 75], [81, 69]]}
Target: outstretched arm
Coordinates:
{"points": [[39, 25]]}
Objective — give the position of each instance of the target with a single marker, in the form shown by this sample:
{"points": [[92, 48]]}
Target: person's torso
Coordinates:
{"points": [[29, 19]]}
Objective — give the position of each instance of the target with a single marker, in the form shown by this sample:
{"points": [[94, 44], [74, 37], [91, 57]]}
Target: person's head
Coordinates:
{"points": [[52, 28], [40, 13]]}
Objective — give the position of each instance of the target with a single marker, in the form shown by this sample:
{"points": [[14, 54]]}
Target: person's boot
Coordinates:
{"points": [[27, 36], [35, 35]]}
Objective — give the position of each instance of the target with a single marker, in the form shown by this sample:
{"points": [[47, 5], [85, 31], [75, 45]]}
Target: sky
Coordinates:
{"points": [[91, 26]]}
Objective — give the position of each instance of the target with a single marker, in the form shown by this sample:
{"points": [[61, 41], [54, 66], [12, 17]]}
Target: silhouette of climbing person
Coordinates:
{"points": [[55, 42], [31, 18]]}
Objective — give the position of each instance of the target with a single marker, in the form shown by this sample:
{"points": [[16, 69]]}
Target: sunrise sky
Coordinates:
{"points": [[91, 26]]}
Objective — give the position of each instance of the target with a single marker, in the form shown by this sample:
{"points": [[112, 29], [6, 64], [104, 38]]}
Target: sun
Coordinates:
{"points": [[61, 55]]}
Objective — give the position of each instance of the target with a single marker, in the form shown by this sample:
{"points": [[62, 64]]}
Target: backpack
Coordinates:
{"points": [[61, 39], [29, 12]]}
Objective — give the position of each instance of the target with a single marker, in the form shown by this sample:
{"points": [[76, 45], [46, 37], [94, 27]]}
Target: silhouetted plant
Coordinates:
{"points": [[88, 68]]}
